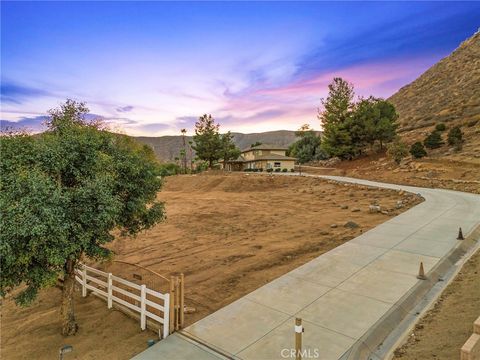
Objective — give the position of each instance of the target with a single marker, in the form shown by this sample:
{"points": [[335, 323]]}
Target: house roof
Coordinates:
{"points": [[265, 147], [241, 159], [271, 157]]}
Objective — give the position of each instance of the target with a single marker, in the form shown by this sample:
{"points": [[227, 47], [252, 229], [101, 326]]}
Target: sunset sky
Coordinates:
{"points": [[151, 68]]}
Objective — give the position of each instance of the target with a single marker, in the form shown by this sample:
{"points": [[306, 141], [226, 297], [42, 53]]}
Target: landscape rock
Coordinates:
{"points": [[374, 209], [333, 226], [355, 210], [343, 207], [351, 225]]}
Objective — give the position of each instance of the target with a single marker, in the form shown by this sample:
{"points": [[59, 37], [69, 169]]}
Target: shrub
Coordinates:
{"points": [[269, 170], [292, 170], [441, 127], [260, 169], [418, 150], [455, 137], [434, 140], [397, 150], [277, 170], [168, 169], [284, 170]]}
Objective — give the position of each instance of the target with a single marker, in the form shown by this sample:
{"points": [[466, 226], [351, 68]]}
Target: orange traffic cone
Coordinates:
{"points": [[421, 273]]}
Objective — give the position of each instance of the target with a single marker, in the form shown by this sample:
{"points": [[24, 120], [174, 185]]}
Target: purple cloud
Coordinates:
{"points": [[125, 109]]}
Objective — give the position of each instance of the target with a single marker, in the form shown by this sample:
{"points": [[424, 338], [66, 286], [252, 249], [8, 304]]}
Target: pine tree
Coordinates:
{"points": [[337, 106], [207, 139]]}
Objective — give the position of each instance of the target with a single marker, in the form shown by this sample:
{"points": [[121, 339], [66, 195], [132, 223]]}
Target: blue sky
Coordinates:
{"points": [[151, 68]]}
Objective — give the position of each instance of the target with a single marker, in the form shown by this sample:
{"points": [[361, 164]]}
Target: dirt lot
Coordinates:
{"points": [[443, 330], [430, 172], [229, 234]]}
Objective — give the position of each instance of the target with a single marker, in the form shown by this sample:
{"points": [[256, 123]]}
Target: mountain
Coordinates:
{"points": [[448, 91], [168, 147]]}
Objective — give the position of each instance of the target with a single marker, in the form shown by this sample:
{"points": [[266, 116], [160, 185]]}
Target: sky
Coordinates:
{"points": [[152, 68]]}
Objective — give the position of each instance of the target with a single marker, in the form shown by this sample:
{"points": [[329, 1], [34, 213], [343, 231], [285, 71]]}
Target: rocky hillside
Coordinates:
{"points": [[168, 147], [448, 92]]}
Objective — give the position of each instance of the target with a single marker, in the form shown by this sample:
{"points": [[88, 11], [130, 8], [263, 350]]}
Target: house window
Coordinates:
{"points": [[277, 164]]}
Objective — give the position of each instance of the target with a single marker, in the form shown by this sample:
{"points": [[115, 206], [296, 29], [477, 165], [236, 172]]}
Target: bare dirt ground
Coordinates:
{"points": [[229, 234], [444, 329], [432, 172]]}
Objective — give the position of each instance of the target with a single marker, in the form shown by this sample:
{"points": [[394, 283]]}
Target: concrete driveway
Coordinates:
{"points": [[342, 296]]}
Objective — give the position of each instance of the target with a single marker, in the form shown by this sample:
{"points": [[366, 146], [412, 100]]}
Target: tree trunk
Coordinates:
{"points": [[69, 325]]}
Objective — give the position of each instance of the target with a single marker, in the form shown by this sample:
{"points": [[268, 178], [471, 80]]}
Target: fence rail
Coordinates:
{"points": [[148, 303]]}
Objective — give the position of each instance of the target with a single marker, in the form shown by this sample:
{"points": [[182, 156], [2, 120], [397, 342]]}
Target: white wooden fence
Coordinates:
{"points": [[135, 297]]}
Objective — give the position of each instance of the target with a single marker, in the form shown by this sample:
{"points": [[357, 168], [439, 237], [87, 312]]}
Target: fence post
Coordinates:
{"points": [[182, 300], [177, 303], [166, 316], [84, 280], [143, 307], [109, 299], [298, 338], [172, 304]]}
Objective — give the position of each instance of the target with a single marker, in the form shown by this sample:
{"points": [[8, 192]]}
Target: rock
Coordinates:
{"points": [[355, 210], [351, 225], [189, 309], [344, 207], [374, 209], [324, 233], [399, 204], [333, 226]]}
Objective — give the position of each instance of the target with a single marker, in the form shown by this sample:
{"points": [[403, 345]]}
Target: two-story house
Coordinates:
{"points": [[262, 157]]}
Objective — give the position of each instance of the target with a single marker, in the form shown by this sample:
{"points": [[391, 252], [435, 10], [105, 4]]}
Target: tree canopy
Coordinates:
{"points": [[349, 127], [336, 140], [61, 195], [210, 145], [307, 147]]}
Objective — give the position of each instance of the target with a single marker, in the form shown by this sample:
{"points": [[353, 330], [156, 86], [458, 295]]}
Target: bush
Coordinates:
{"points": [[441, 127], [168, 169], [269, 170], [455, 137], [277, 170], [418, 150], [292, 170], [260, 169], [434, 140], [284, 170], [397, 150]]}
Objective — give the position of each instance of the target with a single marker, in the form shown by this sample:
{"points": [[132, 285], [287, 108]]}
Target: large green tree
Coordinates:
{"points": [[372, 120], [210, 145], [229, 150], [61, 195], [307, 147], [337, 108]]}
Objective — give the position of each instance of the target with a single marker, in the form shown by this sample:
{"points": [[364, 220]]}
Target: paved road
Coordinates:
{"points": [[340, 295]]}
